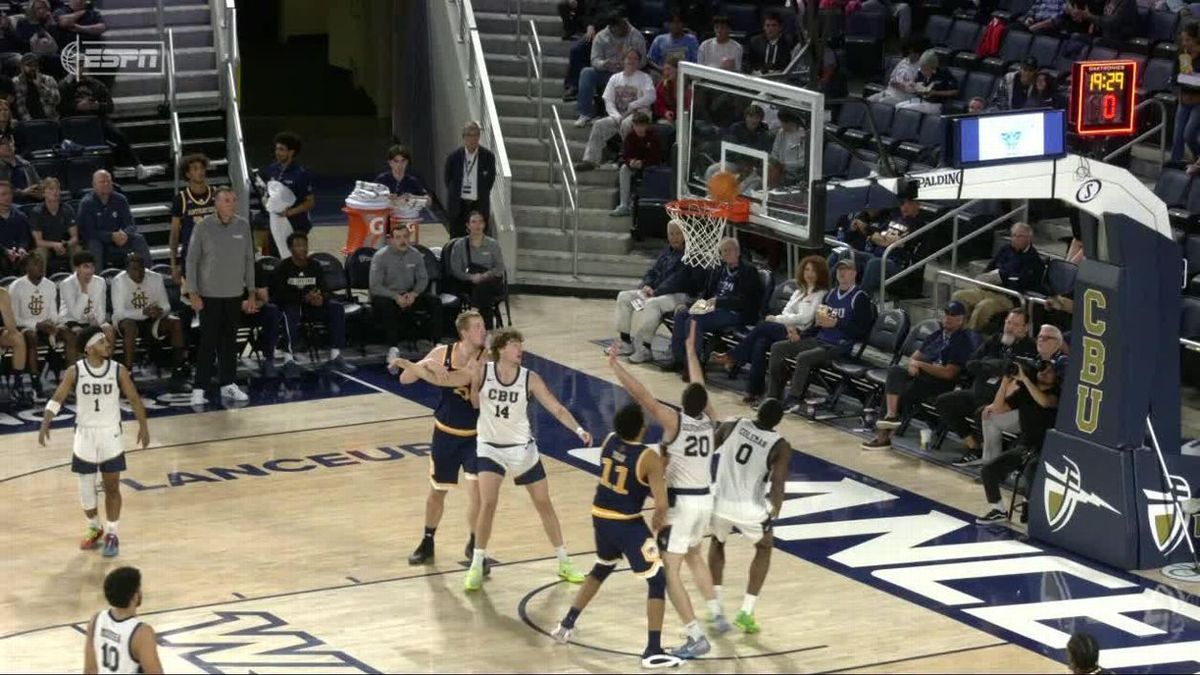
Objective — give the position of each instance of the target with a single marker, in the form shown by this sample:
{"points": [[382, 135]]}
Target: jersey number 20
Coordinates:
{"points": [[697, 445]]}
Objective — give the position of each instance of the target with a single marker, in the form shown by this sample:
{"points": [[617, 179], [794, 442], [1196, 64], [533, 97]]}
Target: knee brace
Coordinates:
{"points": [[657, 585], [87, 490], [600, 571]]}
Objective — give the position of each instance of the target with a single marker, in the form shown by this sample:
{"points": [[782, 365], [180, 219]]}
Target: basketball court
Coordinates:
{"points": [[273, 539]]}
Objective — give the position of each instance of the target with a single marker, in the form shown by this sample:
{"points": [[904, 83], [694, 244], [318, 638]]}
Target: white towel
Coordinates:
{"points": [[279, 197]]}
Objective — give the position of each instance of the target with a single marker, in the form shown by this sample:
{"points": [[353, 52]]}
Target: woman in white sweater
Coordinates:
{"points": [[812, 281]]}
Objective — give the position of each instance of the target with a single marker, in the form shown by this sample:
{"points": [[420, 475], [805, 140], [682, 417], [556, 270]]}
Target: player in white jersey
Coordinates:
{"points": [[98, 383], [117, 640], [750, 454], [506, 444], [687, 448]]}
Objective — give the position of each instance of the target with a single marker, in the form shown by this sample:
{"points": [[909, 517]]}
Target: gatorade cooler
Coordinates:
{"points": [[368, 211]]}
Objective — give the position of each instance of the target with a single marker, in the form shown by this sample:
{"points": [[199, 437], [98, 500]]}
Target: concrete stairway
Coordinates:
{"points": [[607, 259]]}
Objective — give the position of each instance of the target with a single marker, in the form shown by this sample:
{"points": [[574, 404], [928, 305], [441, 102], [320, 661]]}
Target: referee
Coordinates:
{"points": [[220, 273]]}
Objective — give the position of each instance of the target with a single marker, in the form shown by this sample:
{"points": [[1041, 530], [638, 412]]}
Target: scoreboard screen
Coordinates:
{"points": [[1103, 97]]}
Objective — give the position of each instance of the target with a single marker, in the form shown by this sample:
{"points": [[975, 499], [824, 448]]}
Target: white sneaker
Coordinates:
{"points": [[582, 122], [561, 635], [198, 397], [392, 354], [234, 393], [624, 348], [640, 355]]}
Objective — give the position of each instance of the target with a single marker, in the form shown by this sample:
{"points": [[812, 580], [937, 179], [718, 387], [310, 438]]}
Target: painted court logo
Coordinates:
{"points": [[1166, 524], [1063, 492], [112, 57]]}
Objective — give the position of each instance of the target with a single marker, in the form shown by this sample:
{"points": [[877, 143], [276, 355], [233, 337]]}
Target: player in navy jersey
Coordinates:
{"points": [[630, 472], [451, 368], [191, 204]]}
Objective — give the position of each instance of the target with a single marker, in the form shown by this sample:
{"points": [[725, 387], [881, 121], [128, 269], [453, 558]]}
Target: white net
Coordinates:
{"points": [[703, 225]]}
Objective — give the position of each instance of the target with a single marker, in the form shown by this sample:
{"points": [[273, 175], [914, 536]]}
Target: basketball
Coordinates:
{"points": [[723, 186]]}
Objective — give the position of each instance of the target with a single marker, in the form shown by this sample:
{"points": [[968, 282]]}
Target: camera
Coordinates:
{"points": [[1031, 365]]}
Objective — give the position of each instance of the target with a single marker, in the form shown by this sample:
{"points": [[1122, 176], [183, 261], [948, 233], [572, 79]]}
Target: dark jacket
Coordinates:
{"points": [[452, 174], [667, 267], [746, 298], [646, 148], [74, 90], [1118, 21], [1020, 271], [760, 138], [990, 362], [757, 54]]}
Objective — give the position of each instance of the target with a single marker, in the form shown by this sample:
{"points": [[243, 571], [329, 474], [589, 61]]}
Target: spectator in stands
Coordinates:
{"points": [[731, 296], [676, 42], [26, 183], [106, 223], [581, 15], [626, 93], [191, 204], [295, 177], [789, 152], [83, 94], [605, 59], [1043, 11], [986, 367], [1015, 87], [976, 105], [53, 227], [1187, 111], [853, 230], [665, 104], [931, 370], [641, 149], [798, 316], [302, 294], [901, 84], [1083, 652], [81, 18], [905, 220], [398, 282], [1026, 404], [933, 85], [469, 174], [1044, 93], [770, 50], [141, 307], [36, 29], [664, 287], [7, 126], [751, 131], [478, 261], [35, 309], [843, 319], [37, 94], [721, 51], [397, 178], [10, 42], [83, 297], [1017, 267], [220, 276], [1117, 22], [15, 237]]}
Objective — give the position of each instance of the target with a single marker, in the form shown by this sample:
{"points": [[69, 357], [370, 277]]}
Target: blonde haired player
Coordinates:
{"points": [[687, 447], [506, 444], [98, 383]]}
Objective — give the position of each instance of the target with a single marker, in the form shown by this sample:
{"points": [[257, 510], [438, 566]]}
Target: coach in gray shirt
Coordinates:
{"points": [[477, 261], [220, 277], [398, 283]]}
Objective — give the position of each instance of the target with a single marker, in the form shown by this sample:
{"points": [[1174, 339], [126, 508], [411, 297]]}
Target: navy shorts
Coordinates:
{"points": [[114, 465], [629, 538], [448, 454]]}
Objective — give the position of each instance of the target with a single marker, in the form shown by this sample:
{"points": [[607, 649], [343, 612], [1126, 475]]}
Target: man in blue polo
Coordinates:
{"points": [[931, 370], [106, 224], [286, 170]]}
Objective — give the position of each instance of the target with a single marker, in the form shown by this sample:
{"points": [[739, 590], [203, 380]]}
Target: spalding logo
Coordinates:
{"points": [[1088, 191]]}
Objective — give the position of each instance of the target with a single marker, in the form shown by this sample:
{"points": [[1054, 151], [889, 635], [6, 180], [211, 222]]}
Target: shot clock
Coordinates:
{"points": [[1103, 97]]}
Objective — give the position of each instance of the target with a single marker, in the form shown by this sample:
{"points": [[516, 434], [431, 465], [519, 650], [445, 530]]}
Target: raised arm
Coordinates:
{"points": [[55, 404], [553, 406], [666, 417], [695, 370], [135, 402]]}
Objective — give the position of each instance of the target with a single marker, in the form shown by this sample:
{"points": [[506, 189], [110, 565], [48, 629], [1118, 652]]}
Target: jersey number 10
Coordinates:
{"points": [[111, 657]]}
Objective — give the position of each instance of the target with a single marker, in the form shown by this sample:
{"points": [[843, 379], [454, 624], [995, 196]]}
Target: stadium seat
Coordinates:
{"points": [[1163, 26], [37, 139], [86, 130], [877, 123], [649, 17], [875, 378], [858, 169], [1074, 48], [743, 18], [451, 304], [1013, 49], [1140, 59], [1187, 217], [963, 37], [1191, 251], [1044, 48], [1172, 187], [50, 167], [928, 147], [937, 29], [1099, 53], [887, 335], [979, 84], [358, 273], [836, 159], [850, 115], [906, 127], [79, 173]]}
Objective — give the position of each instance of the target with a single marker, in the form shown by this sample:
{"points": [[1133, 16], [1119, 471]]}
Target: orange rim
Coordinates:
{"points": [[737, 211]]}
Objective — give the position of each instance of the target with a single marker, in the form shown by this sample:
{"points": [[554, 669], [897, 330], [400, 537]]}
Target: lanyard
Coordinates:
{"points": [[469, 165]]}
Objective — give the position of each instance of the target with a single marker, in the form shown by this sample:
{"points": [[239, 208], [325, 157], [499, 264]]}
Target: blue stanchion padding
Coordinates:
{"points": [[1162, 529]]}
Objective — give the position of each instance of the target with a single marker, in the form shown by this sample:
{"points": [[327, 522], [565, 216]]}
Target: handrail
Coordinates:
{"points": [[955, 242], [920, 231], [1190, 344], [490, 118], [235, 47], [533, 74], [1161, 128], [937, 288], [570, 191], [159, 21], [239, 170]]}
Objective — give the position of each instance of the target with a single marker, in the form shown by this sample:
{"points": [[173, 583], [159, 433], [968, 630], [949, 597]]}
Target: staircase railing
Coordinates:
{"points": [[533, 75], [176, 134], [489, 122], [224, 21], [568, 197]]}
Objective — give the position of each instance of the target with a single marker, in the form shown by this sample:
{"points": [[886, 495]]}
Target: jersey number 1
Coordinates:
{"points": [[111, 657], [97, 402]]}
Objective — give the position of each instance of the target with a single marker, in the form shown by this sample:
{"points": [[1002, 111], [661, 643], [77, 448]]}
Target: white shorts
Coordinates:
{"points": [[97, 445], [689, 519], [752, 530], [517, 460]]}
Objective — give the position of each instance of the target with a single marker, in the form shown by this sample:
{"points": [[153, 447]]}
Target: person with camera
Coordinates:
{"points": [[1025, 403], [931, 370], [987, 366]]}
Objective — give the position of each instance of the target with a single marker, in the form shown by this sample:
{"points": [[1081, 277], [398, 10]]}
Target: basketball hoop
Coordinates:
{"points": [[703, 224]]}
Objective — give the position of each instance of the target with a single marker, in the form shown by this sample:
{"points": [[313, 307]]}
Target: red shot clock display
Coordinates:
{"points": [[1103, 97]]}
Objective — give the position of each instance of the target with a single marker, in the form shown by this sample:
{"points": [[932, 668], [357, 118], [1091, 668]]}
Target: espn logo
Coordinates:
{"points": [[112, 58]]}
